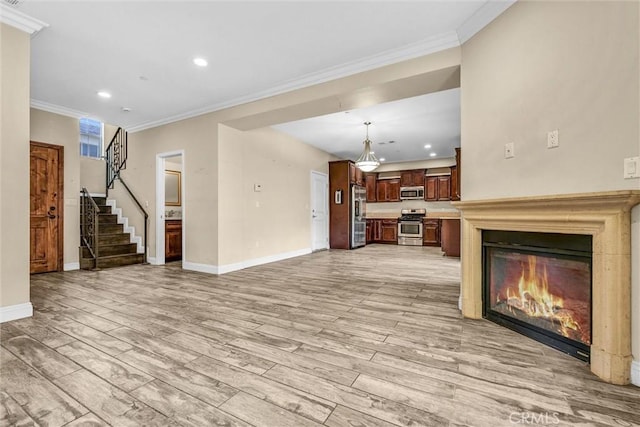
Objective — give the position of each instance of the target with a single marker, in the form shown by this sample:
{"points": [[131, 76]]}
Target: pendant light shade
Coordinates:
{"points": [[367, 160]]}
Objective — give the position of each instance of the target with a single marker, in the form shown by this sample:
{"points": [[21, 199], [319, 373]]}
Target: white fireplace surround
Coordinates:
{"points": [[603, 215]]}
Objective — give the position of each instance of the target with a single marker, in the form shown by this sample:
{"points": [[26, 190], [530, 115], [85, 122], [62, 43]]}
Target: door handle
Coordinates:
{"points": [[50, 213]]}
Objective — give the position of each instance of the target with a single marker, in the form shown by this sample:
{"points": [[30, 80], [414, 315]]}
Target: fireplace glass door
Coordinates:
{"points": [[540, 285]]}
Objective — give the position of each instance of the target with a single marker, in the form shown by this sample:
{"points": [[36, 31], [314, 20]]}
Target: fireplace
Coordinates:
{"points": [[603, 216], [539, 284]]}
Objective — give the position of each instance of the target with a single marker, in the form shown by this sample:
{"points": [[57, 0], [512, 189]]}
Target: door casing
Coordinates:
{"points": [[324, 200]]}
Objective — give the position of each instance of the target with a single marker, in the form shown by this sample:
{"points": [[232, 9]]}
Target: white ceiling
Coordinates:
{"points": [[412, 123], [142, 51]]}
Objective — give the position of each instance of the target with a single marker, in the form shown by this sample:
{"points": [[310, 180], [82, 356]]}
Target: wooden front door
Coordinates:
{"points": [[46, 207]]}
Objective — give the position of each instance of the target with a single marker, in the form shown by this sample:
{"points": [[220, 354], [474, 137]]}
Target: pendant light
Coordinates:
{"points": [[367, 161]]}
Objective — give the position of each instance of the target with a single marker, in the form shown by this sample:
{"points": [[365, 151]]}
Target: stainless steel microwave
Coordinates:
{"points": [[411, 193]]}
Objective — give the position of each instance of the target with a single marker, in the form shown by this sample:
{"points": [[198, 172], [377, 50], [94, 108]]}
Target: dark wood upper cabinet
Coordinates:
{"points": [[431, 188], [454, 184], [444, 187], [371, 184], [412, 178], [355, 174], [388, 190], [437, 188]]}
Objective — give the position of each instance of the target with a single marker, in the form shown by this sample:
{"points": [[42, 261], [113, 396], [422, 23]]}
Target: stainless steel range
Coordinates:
{"points": [[410, 227]]}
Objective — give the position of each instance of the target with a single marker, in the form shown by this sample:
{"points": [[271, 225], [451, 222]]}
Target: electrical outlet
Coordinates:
{"points": [[552, 139], [509, 150], [632, 167]]}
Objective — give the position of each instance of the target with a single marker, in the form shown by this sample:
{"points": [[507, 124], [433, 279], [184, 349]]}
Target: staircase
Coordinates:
{"points": [[104, 243], [114, 245]]}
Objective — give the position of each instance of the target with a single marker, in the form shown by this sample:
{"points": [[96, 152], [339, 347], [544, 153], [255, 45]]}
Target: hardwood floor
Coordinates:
{"points": [[371, 337]]}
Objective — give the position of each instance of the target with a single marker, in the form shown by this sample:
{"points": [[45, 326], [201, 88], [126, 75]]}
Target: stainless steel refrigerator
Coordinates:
{"points": [[358, 221]]}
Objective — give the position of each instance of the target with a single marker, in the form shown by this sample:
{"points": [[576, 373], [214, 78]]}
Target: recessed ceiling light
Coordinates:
{"points": [[104, 94], [382, 159], [392, 142], [432, 154], [427, 146], [126, 109], [200, 62]]}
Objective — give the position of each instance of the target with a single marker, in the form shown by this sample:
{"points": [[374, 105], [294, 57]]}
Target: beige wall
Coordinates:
{"points": [[198, 138], [14, 166], [55, 129], [572, 66], [276, 220]]}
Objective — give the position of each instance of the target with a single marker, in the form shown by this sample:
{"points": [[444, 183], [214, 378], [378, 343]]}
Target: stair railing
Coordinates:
{"points": [[116, 160], [116, 156], [89, 227]]}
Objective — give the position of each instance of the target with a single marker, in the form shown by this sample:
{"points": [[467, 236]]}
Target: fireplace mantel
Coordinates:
{"points": [[604, 215]]}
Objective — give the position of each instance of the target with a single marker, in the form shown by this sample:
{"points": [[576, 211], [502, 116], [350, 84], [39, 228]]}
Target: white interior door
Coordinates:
{"points": [[319, 211]]}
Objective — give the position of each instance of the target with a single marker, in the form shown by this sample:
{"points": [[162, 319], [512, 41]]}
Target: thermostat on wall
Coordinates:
{"points": [[257, 187]]}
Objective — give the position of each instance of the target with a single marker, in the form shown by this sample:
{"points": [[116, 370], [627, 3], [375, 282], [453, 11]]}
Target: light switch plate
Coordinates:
{"points": [[509, 150], [632, 167], [553, 140]]}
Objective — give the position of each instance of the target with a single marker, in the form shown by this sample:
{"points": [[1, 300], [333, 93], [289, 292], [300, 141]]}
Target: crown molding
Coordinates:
{"points": [[482, 17], [20, 20], [391, 56], [58, 109]]}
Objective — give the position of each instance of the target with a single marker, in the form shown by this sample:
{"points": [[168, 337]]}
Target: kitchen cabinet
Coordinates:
{"points": [[388, 190], [172, 240], [355, 174], [451, 237], [444, 187], [389, 231], [430, 232], [455, 176], [454, 184], [412, 178], [437, 188], [370, 180], [382, 231]]}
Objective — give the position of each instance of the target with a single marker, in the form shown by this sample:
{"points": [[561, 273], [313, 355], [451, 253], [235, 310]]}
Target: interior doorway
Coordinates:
{"points": [[319, 211], [46, 207], [170, 207]]}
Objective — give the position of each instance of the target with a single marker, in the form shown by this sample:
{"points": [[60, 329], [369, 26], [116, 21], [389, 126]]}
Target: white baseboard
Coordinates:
{"points": [[15, 312], [228, 268], [70, 266], [202, 268], [152, 260], [635, 372], [460, 303], [97, 194]]}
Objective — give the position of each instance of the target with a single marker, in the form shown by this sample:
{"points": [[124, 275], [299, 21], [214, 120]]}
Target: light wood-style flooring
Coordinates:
{"points": [[371, 337]]}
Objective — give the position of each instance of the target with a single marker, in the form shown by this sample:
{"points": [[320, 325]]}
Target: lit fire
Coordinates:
{"points": [[534, 299]]}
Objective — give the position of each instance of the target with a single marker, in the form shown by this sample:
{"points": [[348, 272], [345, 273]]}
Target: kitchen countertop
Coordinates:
{"points": [[430, 215]]}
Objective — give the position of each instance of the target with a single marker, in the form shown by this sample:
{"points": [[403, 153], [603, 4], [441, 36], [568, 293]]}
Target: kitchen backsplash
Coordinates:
{"points": [[173, 212], [410, 204]]}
